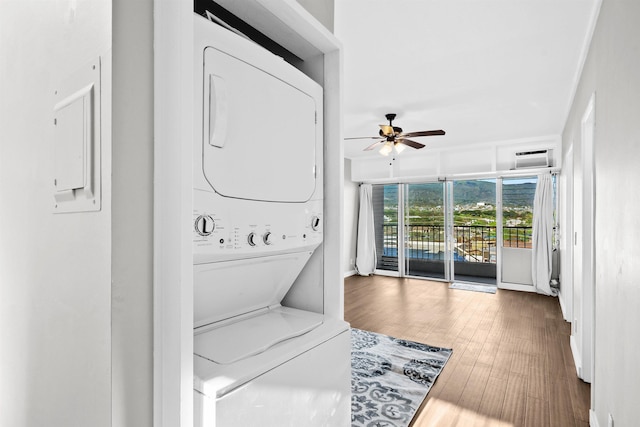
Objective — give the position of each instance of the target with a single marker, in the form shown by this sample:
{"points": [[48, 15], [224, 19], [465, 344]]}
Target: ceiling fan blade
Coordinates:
{"points": [[424, 133], [410, 143], [363, 137], [386, 130], [372, 146]]}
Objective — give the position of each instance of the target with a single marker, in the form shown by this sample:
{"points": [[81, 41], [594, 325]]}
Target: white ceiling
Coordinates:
{"points": [[483, 70]]}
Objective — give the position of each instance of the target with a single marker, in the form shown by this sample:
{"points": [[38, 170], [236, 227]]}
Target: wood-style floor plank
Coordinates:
{"points": [[511, 364], [493, 398], [537, 413], [560, 409], [515, 400]]}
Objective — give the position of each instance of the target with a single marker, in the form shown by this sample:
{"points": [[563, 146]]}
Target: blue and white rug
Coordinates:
{"points": [[390, 378]]}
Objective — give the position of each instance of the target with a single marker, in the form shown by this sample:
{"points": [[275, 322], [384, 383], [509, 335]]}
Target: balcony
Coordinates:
{"points": [[474, 249]]}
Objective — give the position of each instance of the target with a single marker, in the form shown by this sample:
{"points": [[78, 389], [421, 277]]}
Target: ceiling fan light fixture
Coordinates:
{"points": [[392, 138], [386, 149]]}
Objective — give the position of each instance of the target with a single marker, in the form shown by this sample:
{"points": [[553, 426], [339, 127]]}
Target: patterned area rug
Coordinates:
{"points": [[390, 378], [489, 289]]}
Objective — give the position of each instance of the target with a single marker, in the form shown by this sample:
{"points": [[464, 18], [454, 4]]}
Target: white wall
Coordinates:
{"points": [[322, 10], [612, 71], [55, 270], [488, 159], [351, 204], [75, 289]]}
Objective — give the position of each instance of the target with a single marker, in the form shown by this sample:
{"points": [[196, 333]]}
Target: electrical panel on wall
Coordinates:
{"points": [[76, 142]]}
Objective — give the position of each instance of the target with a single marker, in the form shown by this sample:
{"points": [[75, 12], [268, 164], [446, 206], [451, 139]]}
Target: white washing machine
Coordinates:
{"points": [[257, 221]]}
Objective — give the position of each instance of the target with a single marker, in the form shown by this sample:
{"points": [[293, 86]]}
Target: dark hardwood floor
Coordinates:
{"points": [[511, 363]]}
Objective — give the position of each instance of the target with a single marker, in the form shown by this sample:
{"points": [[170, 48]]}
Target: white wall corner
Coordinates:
{"points": [[584, 52], [593, 418], [349, 273]]}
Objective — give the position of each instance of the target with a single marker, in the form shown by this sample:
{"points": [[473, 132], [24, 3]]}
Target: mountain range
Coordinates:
{"points": [[464, 193]]}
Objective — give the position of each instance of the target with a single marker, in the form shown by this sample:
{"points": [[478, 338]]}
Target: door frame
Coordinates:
{"points": [[448, 203], [402, 238], [567, 235], [402, 262], [512, 285], [583, 331]]}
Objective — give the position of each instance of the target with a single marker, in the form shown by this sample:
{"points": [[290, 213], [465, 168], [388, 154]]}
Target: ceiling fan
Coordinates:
{"points": [[391, 137]]}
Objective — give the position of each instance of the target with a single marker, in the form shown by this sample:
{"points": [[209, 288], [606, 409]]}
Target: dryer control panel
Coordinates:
{"points": [[226, 229]]}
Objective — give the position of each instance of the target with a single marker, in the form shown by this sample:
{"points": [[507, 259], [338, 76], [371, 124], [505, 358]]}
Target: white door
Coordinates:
{"points": [[583, 250], [517, 194]]}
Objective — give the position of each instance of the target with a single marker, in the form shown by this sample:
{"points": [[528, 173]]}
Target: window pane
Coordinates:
{"points": [[425, 230], [474, 221], [385, 218], [517, 211]]}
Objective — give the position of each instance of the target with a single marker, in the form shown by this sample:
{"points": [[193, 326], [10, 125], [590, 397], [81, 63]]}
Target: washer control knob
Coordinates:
{"points": [[267, 238], [251, 238], [205, 225], [315, 223]]}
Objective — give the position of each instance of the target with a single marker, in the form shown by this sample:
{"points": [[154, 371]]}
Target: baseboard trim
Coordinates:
{"points": [[575, 352], [593, 419], [516, 287], [386, 273], [349, 273], [563, 307]]}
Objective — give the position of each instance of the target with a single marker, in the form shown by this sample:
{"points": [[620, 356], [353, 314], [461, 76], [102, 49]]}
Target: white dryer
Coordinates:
{"points": [[257, 220]]}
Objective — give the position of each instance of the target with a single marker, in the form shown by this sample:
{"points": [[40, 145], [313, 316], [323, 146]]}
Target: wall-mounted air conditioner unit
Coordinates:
{"points": [[532, 159]]}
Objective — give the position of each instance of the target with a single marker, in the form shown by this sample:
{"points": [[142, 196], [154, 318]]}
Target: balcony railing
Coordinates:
{"points": [[516, 237], [472, 243]]}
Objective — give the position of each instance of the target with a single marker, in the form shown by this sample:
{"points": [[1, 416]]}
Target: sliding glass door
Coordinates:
{"points": [[425, 235], [385, 218], [437, 230], [474, 228], [517, 219]]}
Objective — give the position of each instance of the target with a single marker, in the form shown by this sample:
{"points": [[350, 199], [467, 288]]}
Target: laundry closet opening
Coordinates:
{"points": [[264, 307]]}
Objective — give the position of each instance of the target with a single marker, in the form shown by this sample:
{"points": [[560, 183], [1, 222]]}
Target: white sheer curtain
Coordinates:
{"points": [[542, 234], [366, 243]]}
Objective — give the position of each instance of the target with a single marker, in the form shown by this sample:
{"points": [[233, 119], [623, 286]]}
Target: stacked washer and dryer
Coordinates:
{"points": [[258, 220]]}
